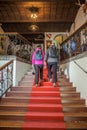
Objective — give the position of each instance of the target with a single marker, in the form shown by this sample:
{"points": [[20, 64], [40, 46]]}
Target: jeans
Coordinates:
{"points": [[38, 71], [53, 66]]}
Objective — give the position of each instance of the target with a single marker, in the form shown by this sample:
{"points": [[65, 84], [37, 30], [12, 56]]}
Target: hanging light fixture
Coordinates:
{"points": [[34, 15], [33, 27], [34, 12]]}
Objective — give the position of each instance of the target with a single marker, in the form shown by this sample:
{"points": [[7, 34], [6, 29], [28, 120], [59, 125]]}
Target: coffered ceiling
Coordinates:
{"points": [[53, 16]]}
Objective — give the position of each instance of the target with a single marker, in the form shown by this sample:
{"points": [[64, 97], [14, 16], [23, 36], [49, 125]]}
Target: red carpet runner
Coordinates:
{"points": [[45, 108]]}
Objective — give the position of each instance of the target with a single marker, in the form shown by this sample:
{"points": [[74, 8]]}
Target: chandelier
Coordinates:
{"points": [[34, 15], [34, 12], [33, 27]]}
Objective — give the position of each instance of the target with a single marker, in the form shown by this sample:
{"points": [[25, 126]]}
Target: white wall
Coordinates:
{"points": [[77, 76], [80, 19], [21, 68]]}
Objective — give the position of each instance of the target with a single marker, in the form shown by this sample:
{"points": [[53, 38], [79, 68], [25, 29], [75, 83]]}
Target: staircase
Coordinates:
{"points": [[20, 104]]}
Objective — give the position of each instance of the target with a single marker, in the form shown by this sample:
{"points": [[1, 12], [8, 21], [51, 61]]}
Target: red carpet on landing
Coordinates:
{"points": [[45, 108]]}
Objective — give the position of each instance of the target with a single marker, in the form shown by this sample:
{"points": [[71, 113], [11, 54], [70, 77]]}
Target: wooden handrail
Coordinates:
{"points": [[3, 66]]}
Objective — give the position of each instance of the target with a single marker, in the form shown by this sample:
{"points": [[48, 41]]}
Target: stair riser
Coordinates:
{"points": [[15, 100], [42, 89], [25, 84], [46, 94], [27, 81], [34, 94], [48, 101], [21, 89], [74, 109], [47, 84], [64, 79], [75, 118], [29, 76], [62, 89], [45, 101], [36, 128], [46, 88], [70, 95], [45, 118], [12, 117], [73, 102], [45, 109], [18, 94], [13, 108], [67, 91], [67, 102], [9, 128], [65, 83]]}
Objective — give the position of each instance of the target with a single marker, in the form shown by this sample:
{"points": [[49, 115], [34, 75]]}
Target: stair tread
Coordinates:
{"points": [[31, 104], [12, 113], [73, 114], [69, 92], [29, 112], [19, 124], [12, 124], [41, 104], [45, 105], [74, 105], [77, 124], [16, 97], [44, 125], [14, 104], [31, 124], [56, 114], [34, 92], [62, 98], [71, 98], [24, 86]]}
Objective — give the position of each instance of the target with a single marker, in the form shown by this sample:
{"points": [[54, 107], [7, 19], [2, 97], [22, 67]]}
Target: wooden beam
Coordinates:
{"points": [[32, 1], [44, 20]]}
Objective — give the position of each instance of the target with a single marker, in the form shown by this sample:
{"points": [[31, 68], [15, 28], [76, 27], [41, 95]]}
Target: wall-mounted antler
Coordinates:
{"points": [[84, 6], [78, 3]]}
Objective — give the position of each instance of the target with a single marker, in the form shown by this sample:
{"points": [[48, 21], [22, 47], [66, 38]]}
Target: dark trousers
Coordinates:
{"points": [[52, 66], [38, 72]]}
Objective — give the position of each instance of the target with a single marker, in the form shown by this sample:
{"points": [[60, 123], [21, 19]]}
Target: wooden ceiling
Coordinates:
{"points": [[53, 16]]}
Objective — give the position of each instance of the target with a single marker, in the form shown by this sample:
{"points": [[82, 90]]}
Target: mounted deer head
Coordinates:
{"points": [[78, 3], [84, 6]]}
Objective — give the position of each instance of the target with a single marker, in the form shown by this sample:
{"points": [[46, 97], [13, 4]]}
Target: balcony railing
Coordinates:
{"points": [[75, 44], [6, 77]]}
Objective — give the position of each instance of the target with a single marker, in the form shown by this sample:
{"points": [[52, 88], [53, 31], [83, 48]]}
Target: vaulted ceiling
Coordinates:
{"points": [[53, 16]]}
